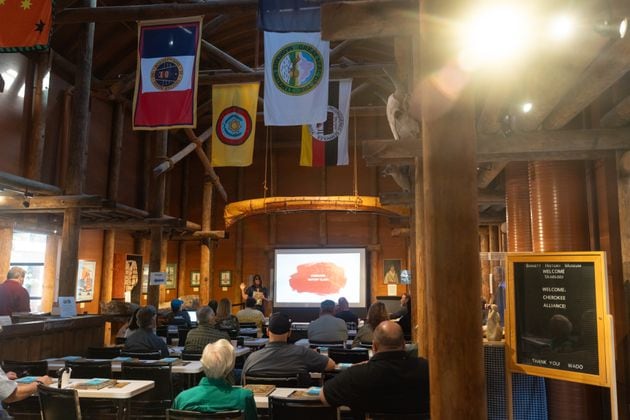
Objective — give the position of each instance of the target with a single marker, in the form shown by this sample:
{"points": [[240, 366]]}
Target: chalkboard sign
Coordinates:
{"points": [[556, 315]]}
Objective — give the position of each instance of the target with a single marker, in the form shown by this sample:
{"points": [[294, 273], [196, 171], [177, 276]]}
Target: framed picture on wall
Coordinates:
{"points": [[391, 271], [225, 278], [171, 276], [85, 280], [195, 278]]}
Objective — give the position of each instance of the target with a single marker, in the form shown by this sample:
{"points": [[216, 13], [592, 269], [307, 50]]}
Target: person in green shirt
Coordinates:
{"points": [[214, 392]]}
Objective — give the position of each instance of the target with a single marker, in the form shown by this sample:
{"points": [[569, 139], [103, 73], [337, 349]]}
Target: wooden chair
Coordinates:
{"points": [[103, 352], [90, 368], [348, 356], [172, 414], [182, 332], [155, 402], [145, 355], [291, 409], [58, 404]]}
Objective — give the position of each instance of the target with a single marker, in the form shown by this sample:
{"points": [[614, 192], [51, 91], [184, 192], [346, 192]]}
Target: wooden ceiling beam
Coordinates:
{"points": [[556, 72], [12, 203], [25, 184], [341, 20], [166, 222], [618, 116], [488, 173], [537, 145], [336, 72], [608, 67], [153, 11]]}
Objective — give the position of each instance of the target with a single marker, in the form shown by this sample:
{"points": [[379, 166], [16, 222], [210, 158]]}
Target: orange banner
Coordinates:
{"points": [[25, 24]]}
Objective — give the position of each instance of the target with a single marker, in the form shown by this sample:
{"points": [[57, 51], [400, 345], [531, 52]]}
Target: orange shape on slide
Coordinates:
{"points": [[322, 278]]}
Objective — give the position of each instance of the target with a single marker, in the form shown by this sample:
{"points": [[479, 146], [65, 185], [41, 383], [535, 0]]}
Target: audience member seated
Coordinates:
{"points": [[404, 314], [390, 382], [280, 359], [250, 314], [224, 319], [130, 326], [144, 339], [177, 316], [205, 332], [214, 305], [376, 314], [327, 328], [343, 311], [11, 391], [214, 392]]}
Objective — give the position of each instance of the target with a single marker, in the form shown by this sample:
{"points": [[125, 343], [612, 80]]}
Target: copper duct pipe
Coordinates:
{"points": [[519, 230], [559, 213], [558, 206]]}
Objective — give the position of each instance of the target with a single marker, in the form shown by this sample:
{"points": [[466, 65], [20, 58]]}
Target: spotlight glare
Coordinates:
{"points": [[623, 27], [495, 34], [527, 107], [561, 28]]}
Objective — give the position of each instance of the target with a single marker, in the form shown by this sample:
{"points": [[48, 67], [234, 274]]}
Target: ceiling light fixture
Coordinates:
{"points": [[612, 28]]}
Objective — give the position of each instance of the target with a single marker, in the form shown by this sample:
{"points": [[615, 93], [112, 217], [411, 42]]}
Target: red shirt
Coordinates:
{"points": [[13, 298]]}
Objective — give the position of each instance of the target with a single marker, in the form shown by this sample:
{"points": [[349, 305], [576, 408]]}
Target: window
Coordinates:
{"points": [[29, 251]]}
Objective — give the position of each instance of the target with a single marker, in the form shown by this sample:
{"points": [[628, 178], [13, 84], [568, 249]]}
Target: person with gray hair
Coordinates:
{"points": [[13, 296], [327, 328], [392, 381], [205, 332], [144, 339], [214, 392]]}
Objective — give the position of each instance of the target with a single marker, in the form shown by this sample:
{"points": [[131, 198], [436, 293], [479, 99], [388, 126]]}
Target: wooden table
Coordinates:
{"points": [[121, 396]]}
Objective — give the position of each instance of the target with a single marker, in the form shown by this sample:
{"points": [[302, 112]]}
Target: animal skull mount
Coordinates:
{"points": [[400, 122], [400, 174]]}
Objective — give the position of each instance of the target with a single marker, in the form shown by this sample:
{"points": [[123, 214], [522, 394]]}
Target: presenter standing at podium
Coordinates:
{"points": [[256, 291]]}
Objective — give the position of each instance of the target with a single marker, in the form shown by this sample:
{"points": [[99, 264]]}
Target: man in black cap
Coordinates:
{"points": [[280, 359]]}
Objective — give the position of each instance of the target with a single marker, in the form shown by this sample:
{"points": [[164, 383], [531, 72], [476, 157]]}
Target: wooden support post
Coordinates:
{"points": [[77, 162], [38, 120], [6, 243], [323, 228], [451, 231], [419, 278], [50, 272], [206, 285], [109, 237], [107, 274], [156, 209], [238, 257], [138, 249], [182, 281], [205, 161]]}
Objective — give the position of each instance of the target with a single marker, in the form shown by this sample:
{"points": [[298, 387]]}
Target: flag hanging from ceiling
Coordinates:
{"points": [[326, 144], [166, 74], [25, 25], [234, 123], [296, 78], [288, 15]]}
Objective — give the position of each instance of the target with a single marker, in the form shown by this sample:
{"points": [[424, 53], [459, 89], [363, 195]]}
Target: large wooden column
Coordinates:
{"points": [[451, 219], [418, 281], [50, 272], [109, 237], [6, 243], [156, 209], [77, 162]]}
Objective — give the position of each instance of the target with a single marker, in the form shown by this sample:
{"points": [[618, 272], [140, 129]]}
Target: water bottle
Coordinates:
{"points": [[64, 377]]}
